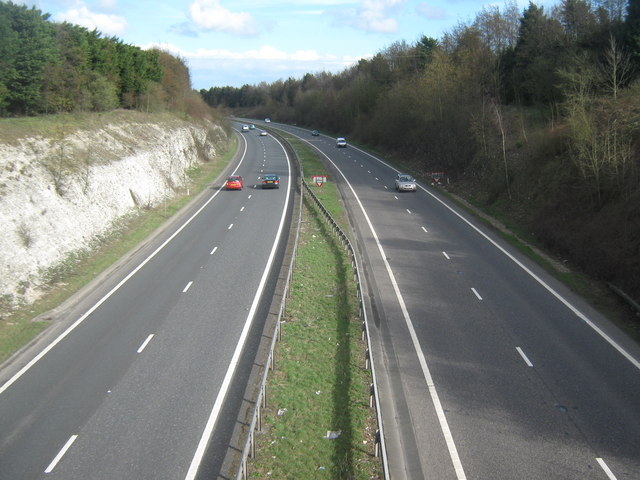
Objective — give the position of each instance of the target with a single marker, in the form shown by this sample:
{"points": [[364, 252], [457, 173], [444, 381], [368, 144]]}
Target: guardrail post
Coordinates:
{"points": [[264, 397], [366, 359], [372, 394], [279, 327], [376, 452]]}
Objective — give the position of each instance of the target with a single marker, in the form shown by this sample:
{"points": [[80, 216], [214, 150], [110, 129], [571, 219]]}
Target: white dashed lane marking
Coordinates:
{"points": [[145, 343]]}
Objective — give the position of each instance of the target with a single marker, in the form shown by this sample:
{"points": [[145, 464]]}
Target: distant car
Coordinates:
{"points": [[245, 128], [341, 142], [234, 182], [315, 133], [270, 180], [267, 120], [252, 126], [405, 183], [263, 133]]}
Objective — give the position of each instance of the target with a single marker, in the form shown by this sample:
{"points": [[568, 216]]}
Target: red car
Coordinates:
{"points": [[234, 182]]}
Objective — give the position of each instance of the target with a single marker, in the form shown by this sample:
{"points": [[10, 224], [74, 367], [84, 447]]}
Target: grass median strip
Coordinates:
{"points": [[318, 423]]}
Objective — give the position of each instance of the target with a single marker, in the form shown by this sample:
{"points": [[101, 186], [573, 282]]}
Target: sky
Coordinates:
{"points": [[233, 43]]}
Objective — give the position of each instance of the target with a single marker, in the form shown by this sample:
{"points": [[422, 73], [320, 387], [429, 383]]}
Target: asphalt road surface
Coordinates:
{"points": [[489, 368], [142, 377]]}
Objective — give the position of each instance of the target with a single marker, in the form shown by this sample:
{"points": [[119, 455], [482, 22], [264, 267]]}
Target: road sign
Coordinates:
{"points": [[319, 180]]}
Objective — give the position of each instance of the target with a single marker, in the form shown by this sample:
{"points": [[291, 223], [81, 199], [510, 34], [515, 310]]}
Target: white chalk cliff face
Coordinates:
{"points": [[59, 196]]}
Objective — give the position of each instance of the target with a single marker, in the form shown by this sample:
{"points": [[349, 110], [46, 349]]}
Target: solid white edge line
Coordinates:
{"points": [[215, 411], [187, 287], [61, 453], [73, 326], [442, 419], [565, 302], [606, 469], [524, 357], [145, 343]]}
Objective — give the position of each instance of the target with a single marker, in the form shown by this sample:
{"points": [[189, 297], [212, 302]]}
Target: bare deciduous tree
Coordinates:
{"points": [[616, 67]]}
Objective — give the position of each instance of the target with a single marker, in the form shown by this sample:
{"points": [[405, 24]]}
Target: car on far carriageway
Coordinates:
{"points": [[270, 180], [234, 182], [315, 133], [405, 183]]}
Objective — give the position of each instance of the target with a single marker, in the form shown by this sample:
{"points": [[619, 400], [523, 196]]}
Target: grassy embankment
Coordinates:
{"points": [[19, 327], [320, 384]]}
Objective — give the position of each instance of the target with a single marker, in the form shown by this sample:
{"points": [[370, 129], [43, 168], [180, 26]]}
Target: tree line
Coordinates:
{"points": [[535, 112], [48, 67]]}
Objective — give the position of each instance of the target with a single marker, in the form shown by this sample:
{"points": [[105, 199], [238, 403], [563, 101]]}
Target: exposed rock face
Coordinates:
{"points": [[58, 197]]}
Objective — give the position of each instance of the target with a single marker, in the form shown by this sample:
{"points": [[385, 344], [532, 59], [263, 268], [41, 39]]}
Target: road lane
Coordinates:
{"points": [[468, 309], [138, 412]]}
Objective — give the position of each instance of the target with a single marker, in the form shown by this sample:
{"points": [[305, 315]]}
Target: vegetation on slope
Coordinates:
{"points": [[49, 67]]}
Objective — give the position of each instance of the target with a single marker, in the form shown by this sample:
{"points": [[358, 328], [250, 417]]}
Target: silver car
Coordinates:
{"points": [[405, 183]]}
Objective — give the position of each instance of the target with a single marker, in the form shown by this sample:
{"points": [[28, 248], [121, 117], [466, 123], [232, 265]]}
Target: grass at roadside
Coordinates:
{"points": [[18, 328], [320, 387]]}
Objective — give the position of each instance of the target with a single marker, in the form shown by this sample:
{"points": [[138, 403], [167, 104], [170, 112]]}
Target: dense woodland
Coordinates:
{"points": [[48, 67], [534, 113]]}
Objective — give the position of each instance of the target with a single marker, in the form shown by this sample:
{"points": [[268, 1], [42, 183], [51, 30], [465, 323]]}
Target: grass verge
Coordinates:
{"points": [[320, 387], [22, 325]]}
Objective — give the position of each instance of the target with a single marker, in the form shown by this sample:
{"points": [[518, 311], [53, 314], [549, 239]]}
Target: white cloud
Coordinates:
{"points": [[264, 53], [374, 15], [108, 5], [431, 12], [211, 67], [210, 15], [369, 15], [105, 23]]}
